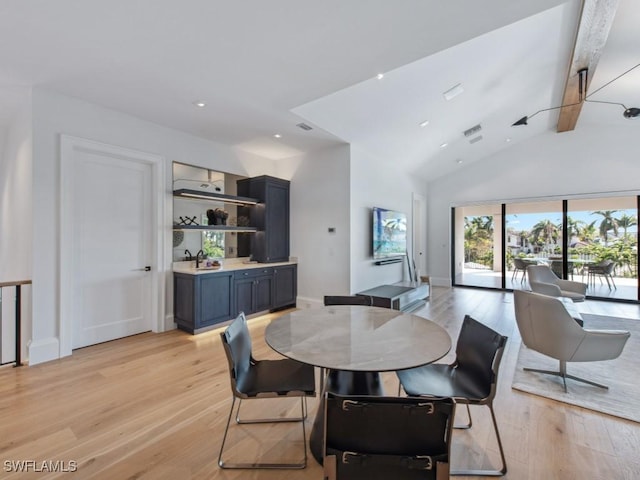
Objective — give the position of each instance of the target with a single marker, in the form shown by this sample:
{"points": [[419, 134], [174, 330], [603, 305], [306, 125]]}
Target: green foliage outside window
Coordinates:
{"points": [[213, 244]]}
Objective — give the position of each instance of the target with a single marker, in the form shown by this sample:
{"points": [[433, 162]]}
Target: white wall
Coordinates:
{"points": [[320, 200], [376, 183], [16, 221], [55, 114], [586, 160]]}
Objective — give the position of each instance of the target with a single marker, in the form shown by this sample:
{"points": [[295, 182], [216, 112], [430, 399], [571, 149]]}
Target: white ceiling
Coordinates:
{"points": [[262, 67]]}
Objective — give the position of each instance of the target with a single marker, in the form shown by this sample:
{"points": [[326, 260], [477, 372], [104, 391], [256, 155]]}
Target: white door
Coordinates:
{"points": [[419, 231], [111, 234]]}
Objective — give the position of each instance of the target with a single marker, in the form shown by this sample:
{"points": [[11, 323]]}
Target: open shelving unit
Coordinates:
{"points": [[214, 196], [188, 194], [224, 228]]}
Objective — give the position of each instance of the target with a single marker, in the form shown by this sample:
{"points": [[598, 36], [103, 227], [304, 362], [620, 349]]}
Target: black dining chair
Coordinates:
{"points": [[471, 379], [256, 379], [382, 438], [365, 300]]}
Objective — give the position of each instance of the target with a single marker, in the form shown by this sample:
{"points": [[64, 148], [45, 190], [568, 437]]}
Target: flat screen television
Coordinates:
{"points": [[389, 233]]}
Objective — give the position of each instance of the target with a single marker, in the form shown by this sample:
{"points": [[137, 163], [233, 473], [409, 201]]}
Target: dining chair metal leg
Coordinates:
{"points": [[323, 374], [488, 473], [264, 465], [469, 424]]}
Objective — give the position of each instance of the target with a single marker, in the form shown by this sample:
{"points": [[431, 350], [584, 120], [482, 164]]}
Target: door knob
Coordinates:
{"points": [[145, 269]]}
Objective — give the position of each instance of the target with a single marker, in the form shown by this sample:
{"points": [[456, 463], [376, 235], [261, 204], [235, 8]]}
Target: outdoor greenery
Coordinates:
{"points": [[607, 238], [213, 244], [478, 240]]}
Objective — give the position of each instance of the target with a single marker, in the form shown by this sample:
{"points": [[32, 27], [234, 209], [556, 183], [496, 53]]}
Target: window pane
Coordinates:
{"points": [[534, 236], [604, 231], [478, 246]]}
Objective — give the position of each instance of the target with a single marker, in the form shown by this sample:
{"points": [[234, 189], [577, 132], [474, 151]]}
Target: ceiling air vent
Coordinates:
{"points": [[476, 139], [473, 130], [304, 126]]}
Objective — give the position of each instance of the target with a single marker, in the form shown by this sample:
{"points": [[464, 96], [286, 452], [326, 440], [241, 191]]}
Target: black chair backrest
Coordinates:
{"points": [[478, 352], [388, 437], [365, 300], [237, 346]]}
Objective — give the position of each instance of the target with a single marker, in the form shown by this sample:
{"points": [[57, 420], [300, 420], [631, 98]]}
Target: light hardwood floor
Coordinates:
{"points": [[153, 406]]}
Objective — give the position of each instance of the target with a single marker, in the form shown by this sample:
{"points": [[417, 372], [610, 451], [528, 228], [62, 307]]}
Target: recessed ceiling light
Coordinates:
{"points": [[199, 104], [380, 76], [424, 124], [443, 145], [459, 161], [508, 140], [453, 92], [277, 135]]}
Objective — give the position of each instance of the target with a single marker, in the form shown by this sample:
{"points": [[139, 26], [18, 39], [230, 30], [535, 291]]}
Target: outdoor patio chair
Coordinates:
{"points": [[601, 269], [520, 265]]}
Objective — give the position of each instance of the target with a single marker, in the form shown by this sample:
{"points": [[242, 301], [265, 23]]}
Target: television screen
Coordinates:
{"points": [[389, 233]]}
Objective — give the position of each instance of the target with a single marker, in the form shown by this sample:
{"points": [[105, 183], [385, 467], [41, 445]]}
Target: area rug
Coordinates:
{"points": [[621, 374]]}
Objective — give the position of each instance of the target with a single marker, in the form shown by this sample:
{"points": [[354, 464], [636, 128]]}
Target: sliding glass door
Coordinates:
{"points": [[603, 246], [534, 234], [592, 240]]}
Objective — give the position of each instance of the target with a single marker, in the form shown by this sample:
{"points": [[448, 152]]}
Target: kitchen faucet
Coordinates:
{"points": [[187, 252], [198, 258]]}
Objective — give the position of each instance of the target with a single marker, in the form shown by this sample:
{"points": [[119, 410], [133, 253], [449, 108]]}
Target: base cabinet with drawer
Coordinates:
{"points": [[203, 300], [253, 290]]}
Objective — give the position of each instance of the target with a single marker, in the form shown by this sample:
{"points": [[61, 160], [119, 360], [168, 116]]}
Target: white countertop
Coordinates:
{"points": [[227, 265]]}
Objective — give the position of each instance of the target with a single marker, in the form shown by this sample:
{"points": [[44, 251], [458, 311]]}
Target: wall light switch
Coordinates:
{"points": [[332, 229]]}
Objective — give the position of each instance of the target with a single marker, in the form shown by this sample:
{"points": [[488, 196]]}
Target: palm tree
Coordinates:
{"points": [[608, 222], [545, 232], [478, 235], [573, 226], [626, 221], [588, 232], [483, 222]]}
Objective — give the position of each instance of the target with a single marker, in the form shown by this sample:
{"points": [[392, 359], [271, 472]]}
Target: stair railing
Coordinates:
{"points": [[17, 284]]}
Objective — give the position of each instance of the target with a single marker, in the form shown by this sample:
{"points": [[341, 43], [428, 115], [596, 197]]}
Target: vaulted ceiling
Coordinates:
{"points": [[264, 67]]}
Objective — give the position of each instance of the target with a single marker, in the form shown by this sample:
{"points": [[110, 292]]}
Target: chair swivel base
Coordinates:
{"points": [[564, 376]]}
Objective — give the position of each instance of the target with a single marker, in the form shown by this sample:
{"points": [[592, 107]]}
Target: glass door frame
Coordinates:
{"points": [[565, 248]]}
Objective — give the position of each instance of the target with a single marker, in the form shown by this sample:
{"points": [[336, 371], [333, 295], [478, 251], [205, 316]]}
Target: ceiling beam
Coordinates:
{"points": [[596, 19]]}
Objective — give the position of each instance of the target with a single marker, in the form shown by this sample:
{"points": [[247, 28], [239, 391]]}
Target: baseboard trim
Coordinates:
{"points": [[169, 323], [307, 302], [44, 350]]}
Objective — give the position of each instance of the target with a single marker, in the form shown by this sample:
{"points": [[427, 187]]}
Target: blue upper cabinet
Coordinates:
{"points": [[270, 216]]}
